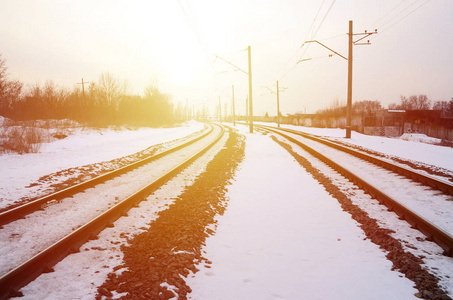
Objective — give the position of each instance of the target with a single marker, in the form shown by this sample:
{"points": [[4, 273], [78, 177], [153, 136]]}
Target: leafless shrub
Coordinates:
{"points": [[21, 139]]}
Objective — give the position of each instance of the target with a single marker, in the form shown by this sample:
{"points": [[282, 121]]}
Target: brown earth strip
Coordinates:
{"points": [[171, 248], [404, 262]]}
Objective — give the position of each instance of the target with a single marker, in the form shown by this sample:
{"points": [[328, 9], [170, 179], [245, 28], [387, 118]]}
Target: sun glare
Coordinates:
{"points": [[180, 74]]}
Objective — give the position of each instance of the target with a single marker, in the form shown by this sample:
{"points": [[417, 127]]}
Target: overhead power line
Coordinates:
{"points": [[383, 29], [402, 11], [314, 33], [388, 13], [298, 49], [407, 15]]}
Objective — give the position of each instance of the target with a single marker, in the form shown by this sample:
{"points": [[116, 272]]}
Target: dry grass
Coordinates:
{"points": [[21, 139], [28, 136]]}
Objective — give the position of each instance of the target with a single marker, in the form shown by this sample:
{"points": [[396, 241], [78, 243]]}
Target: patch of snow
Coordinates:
{"points": [[419, 137]]}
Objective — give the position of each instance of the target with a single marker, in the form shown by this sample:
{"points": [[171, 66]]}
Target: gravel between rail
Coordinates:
{"points": [[158, 259]]}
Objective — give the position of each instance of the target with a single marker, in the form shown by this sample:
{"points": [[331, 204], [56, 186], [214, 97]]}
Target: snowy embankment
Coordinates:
{"points": [[413, 150], [21, 171]]}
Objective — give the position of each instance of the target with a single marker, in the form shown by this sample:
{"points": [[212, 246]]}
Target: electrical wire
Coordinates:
{"points": [[298, 49], [313, 34], [388, 13], [407, 15], [325, 16], [195, 28], [407, 7]]}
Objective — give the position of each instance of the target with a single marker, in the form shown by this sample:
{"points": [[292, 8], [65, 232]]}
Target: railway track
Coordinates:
{"points": [[50, 232], [38, 204], [404, 191]]}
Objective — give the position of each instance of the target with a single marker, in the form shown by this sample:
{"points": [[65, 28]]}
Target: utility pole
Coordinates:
{"points": [[225, 111], [349, 59], [249, 73], [234, 113], [186, 110], [278, 101], [83, 86], [247, 109], [278, 106], [250, 90], [349, 104], [220, 111]]}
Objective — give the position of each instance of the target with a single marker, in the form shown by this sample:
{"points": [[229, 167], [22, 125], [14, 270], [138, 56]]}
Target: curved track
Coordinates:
{"points": [[404, 191], [76, 225]]}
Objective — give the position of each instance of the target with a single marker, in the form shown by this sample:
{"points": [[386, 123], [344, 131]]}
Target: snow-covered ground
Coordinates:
{"points": [[409, 149], [84, 147], [269, 244], [79, 274], [284, 237]]}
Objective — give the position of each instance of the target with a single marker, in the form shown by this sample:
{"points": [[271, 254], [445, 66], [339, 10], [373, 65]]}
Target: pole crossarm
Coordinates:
{"points": [[326, 48], [365, 35], [238, 69], [305, 59], [268, 89]]}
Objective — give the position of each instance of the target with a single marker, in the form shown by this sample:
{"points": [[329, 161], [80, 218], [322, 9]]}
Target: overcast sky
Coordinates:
{"points": [[175, 42]]}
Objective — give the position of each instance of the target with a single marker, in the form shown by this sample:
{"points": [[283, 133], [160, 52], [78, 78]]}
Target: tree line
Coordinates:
{"points": [[105, 102], [367, 107]]}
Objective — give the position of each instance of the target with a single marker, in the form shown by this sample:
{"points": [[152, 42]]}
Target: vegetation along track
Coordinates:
{"points": [[38, 204], [46, 248], [401, 194]]}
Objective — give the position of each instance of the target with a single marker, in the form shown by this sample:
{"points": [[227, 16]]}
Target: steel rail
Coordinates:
{"points": [[436, 183], [32, 206], [432, 232], [44, 261]]}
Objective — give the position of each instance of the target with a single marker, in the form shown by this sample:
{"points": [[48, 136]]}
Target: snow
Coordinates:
{"points": [[284, 237], [78, 275], [411, 239], [418, 137], [409, 149], [413, 196], [82, 148], [24, 238]]}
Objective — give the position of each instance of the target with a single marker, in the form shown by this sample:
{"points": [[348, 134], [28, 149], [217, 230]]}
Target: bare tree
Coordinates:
{"points": [[10, 91], [366, 107], [420, 102], [109, 90], [446, 107]]}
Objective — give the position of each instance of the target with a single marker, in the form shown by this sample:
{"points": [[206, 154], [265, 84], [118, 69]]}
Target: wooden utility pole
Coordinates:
{"points": [[250, 90], [83, 86], [220, 111], [247, 109], [351, 35], [234, 113], [278, 107], [225, 111], [349, 103]]}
